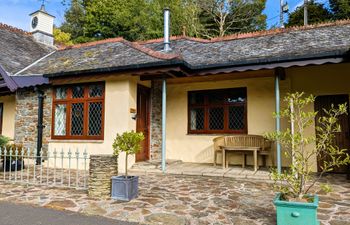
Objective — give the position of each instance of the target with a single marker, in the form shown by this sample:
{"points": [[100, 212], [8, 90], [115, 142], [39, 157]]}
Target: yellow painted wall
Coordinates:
{"points": [[120, 96], [8, 126], [320, 80], [199, 148]]}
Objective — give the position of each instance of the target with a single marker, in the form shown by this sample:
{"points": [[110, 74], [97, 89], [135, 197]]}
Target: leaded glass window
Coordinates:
{"points": [[60, 119], [218, 111], [78, 111]]}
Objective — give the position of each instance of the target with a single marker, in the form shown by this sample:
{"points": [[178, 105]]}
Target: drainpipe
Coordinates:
{"points": [[164, 125], [278, 120], [40, 124]]}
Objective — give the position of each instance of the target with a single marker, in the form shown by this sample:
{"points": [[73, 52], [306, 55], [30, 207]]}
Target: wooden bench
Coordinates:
{"points": [[243, 144]]}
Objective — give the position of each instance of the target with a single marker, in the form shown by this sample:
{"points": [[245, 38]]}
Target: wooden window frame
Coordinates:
{"points": [[206, 106], [69, 101]]}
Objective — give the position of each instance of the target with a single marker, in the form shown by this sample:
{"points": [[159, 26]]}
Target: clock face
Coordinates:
{"points": [[34, 22]]}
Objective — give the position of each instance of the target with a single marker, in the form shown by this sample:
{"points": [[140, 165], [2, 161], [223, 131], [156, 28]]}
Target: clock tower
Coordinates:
{"points": [[41, 26]]}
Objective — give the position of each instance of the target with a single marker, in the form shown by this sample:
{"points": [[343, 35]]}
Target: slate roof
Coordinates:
{"points": [[103, 55], [18, 49], [262, 47], [280, 45]]}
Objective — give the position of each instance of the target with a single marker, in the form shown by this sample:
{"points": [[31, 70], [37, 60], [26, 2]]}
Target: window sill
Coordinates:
{"points": [[74, 141]]}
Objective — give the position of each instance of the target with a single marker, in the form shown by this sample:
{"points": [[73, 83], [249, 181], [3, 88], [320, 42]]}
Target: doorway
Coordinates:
{"points": [[143, 121], [342, 139]]}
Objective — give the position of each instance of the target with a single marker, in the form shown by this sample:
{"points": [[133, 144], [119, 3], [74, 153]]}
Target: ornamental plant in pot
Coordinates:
{"points": [[125, 187], [296, 200]]}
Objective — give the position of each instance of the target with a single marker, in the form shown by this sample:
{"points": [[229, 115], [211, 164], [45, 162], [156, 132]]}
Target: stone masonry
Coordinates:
{"points": [[26, 118], [156, 120], [101, 169]]}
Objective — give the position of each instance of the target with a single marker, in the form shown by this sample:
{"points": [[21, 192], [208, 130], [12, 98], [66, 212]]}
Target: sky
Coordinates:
{"points": [[16, 12]]}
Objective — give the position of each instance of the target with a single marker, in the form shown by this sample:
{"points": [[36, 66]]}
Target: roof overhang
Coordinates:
{"points": [[12, 83], [269, 66]]}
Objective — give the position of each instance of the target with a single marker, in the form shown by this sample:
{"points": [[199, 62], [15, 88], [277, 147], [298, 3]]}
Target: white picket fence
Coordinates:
{"points": [[68, 169]]}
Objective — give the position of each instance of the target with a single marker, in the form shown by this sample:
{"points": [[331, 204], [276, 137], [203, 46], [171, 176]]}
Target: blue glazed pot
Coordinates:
{"points": [[124, 188], [296, 213]]}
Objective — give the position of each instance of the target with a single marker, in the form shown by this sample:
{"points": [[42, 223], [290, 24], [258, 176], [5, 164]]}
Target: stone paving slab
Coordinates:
{"points": [[186, 200], [202, 169]]}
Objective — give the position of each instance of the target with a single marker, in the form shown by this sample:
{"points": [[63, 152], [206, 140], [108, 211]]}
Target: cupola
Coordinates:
{"points": [[41, 26]]}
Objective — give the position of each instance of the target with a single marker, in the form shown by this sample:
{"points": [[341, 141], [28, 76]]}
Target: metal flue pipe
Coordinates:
{"points": [[167, 30]]}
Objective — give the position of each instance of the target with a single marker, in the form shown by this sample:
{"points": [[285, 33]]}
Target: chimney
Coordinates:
{"points": [[42, 26], [167, 30]]}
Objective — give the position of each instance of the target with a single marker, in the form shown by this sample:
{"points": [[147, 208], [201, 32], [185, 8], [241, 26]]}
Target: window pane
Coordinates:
{"points": [[61, 93], [216, 97], [95, 118], [95, 90], [196, 98], [216, 118], [60, 119], [197, 119], [236, 118], [77, 119], [78, 92], [236, 95]]}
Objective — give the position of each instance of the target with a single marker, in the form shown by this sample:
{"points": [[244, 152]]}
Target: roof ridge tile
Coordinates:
{"points": [[250, 34], [92, 43], [279, 30], [150, 52], [4, 26]]}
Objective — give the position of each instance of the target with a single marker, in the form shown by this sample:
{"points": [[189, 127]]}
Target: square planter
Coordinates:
{"points": [[125, 188], [296, 213]]}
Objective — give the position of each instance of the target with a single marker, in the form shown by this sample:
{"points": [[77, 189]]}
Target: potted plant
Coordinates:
{"points": [[296, 200], [125, 187]]}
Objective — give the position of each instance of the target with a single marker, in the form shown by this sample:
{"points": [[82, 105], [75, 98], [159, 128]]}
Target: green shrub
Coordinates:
{"points": [[297, 182], [128, 142], [4, 141]]}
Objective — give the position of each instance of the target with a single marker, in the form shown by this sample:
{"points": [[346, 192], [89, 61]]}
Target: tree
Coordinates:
{"points": [[298, 181], [62, 38], [128, 142], [74, 19], [222, 17], [340, 9], [138, 19], [317, 13], [89, 20]]}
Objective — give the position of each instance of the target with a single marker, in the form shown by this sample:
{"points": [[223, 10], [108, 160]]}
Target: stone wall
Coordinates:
{"points": [[101, 169], [26, 118], [156, 121]]}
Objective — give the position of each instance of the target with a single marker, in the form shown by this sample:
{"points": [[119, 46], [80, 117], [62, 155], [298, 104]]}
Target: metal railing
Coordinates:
{"points": [[68, 169]]}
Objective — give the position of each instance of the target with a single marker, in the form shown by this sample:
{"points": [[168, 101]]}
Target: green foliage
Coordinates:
{"points": [[61, 37], [88, 20], [74, 19], [4, 141], [340, 9], [16, 149], [128, 142], [317, 13], [303, 150]]}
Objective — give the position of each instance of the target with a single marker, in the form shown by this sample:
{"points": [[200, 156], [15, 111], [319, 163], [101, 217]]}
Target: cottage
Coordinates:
{"points": [[181, 92]]}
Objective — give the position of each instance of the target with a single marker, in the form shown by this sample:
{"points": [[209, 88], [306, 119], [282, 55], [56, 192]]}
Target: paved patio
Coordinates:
{"points": [[181, 199], [201, 169]]}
